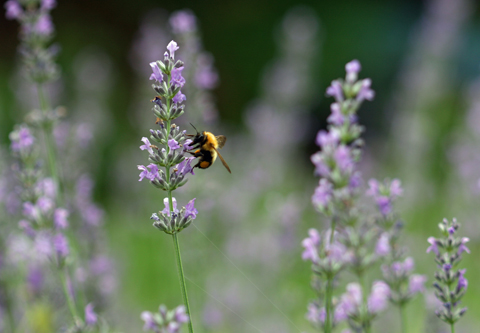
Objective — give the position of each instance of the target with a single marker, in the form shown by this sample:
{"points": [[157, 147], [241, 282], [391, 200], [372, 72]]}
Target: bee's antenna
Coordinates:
{"points": [[194, 127]]}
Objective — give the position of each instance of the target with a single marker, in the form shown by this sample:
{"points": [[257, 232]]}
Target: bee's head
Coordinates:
{"points": [[197, 138]]}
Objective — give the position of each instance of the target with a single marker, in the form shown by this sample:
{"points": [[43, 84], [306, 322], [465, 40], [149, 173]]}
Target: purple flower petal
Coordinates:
{"points": [[146, 145], [173, 144], [190, 210], [157, 74], [90, 315], [172, 47]]}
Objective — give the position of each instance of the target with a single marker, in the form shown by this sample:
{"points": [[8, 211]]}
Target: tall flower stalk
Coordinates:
{"points": [[450, 282], [397, 268], [338, 187], [169, 166], [36, 35]]}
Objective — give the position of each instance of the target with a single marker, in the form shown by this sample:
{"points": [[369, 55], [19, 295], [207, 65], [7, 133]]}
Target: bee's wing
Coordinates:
{"points": [[221, 139], [223, 161]]}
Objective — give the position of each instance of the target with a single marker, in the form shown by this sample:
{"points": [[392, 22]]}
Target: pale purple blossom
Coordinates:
{"points": [[181, 315], [433, 245], [336, 91], [91, 317], [327, 139], [352, 68], [22, 139], [150, 172], [190, 210], [185, 166], [378, 299], [187, 145], [14, 10], [462, 247], [336, 117], [147, 145], [46, 187], [462, 281], [365, 92], [60, 218], [179, 97], [173, 144], [44, 25], [166, 210], [321, 168], [45, 204], [416, 283], [315, 315], [48, 4], [177, 79], [310, 244], [183, 21], [323, 194], [383, 248], [351, 300], [344, 159], [149, 320], [157, 74], [60, 244], [396, 188], [31, 211], [172, 47]]}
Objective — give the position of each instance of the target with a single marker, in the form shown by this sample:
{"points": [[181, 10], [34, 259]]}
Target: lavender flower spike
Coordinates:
{"points": [[451, 284], [168, 170]]}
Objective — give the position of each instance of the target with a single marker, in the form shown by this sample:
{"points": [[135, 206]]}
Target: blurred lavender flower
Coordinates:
{"points": [[451, 284], [338, 189], [200, 71], [91, 317], [165, 321]]}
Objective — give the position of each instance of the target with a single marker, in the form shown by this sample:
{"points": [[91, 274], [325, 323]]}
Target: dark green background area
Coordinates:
{"points": [[239, 35]]}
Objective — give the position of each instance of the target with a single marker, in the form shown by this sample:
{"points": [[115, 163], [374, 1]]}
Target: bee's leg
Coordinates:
{"points": [[196, 153]]}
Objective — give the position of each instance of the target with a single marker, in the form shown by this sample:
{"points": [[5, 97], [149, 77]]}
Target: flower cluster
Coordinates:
{"points": [[351, 304], [36, 33], [340, 146], [168, 105], [450, 282], [384, 194], [327, 259], [165, 321], [176, 220]]}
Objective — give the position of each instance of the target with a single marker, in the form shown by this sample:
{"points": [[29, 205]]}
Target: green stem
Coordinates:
{"points": [[328, 305], [49, 142], [182, 280], [70, 301], [181, 275], [452, 327], [329, 288], [403, 318], [366, 324]]}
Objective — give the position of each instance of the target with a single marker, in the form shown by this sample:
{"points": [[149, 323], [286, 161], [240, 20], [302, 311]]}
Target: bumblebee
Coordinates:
{"points": [[206, 147]]}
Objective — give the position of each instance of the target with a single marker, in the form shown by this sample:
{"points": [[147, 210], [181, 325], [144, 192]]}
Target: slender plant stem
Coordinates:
{"points": [[71, 302], [182, 280], [452, 327], [361, 278], [181, 275], [329, 288], [49, 143], [403, 318], [328, 305]]}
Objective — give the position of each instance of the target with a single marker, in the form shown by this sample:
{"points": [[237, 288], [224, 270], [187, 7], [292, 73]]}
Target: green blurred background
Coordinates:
{"points": [[423, 58]]}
